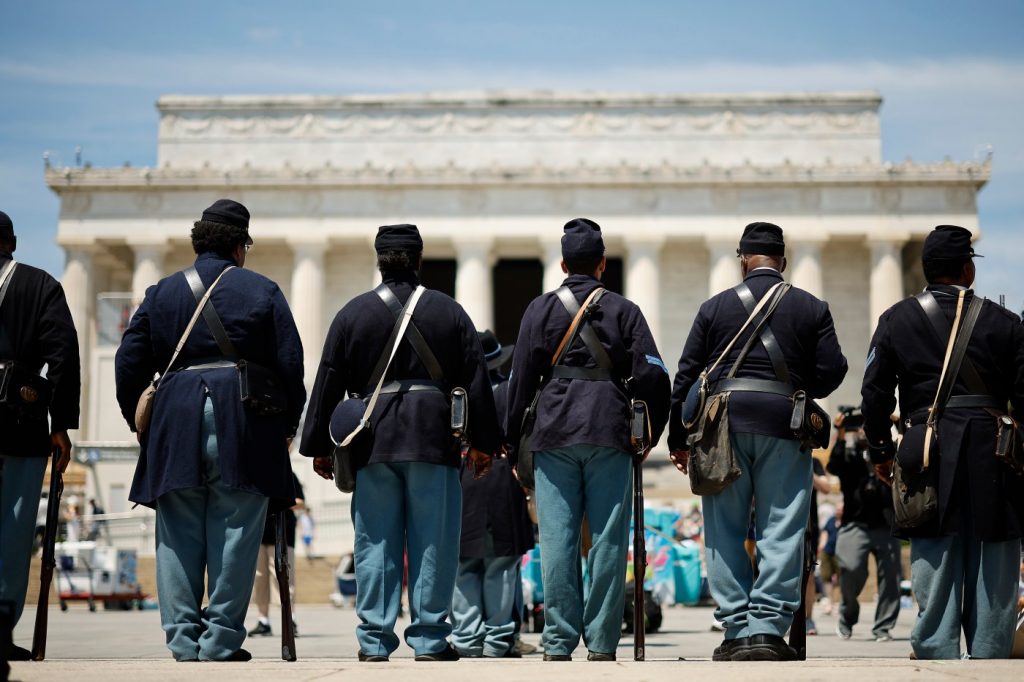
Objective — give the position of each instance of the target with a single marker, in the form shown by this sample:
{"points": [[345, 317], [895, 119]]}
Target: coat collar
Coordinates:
{"points": [[213, 257], [763, 272], [399, 276]]}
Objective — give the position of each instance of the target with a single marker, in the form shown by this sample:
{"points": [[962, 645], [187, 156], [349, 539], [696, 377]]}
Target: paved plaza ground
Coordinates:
{"points": [[113, 645]]}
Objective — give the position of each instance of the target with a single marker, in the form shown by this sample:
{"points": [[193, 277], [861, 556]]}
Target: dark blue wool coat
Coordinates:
{"points": [[803, 326], [253, 448], [574, 412]]}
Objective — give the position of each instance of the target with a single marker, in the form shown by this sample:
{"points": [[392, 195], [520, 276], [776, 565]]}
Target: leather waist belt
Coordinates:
{"points": [[972, 401], [410, 385], [581, 373], [212, 364], [754, 386]]}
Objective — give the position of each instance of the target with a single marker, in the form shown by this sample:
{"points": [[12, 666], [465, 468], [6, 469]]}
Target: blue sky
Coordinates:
{"points": [[89, 73]]}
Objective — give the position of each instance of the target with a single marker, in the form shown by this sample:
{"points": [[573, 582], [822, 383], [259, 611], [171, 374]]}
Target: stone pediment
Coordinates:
{"points": [[479, 129]]}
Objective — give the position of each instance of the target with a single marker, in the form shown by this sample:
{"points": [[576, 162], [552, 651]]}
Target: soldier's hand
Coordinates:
{"points": [[61, 441], [884, 472], [481, 462], [324, 467], [681, 458]]}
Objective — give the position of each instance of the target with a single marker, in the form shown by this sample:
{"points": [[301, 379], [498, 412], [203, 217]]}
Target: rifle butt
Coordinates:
{"points": [[49, 562], [281, 568]]}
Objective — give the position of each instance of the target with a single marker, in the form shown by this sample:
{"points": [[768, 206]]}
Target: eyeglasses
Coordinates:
{"points": [[247, 245]]}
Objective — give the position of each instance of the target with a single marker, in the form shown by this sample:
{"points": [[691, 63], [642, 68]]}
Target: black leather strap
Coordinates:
{"points": [[419, 344], [382, 362], [971, 400], [7, 282], [754, 386], [768, 340], [220, 335], [585, 331], [582, 373], [963, 338], [410, 385], [968, 372], [759, 328]]}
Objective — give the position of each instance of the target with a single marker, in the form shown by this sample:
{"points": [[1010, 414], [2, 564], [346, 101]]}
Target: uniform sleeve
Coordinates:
{"points": [[529, 362], [878, 392], [1017, 395], [58, 347], [134, 364], [289, 357], [829, 362], [691, 363], [650, 375], [328, 390], [484, 433]]}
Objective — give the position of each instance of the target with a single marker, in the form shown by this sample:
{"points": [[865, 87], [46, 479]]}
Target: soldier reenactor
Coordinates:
{"points": [[581, 446], [776, 467], [407, 494], [214, 453], [496, 532], [36, 329], [964, 561]]}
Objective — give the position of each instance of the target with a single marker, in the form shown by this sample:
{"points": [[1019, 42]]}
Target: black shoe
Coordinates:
{"points": [[240, 656], [725, 650], [446, 654], [261, 630], [367, 658], [557, 657], [17, 653], [598, 656], [764, 648]]}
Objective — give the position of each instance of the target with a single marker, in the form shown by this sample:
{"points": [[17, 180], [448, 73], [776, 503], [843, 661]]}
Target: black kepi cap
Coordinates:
{"points": [[403, 237], [228, 212], [948, 242], [6, 226], [582, 239], [762, 239], [495, 354]]}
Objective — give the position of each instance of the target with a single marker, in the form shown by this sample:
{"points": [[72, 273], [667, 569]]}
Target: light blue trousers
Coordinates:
{"points": [[212, 529], [19, 504], [482, 608], [777, 481], [963, 583], [395, 506], [573, 482]]}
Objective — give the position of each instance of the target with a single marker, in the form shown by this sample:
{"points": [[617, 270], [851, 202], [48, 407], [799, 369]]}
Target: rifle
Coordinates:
{"points": [[284, 588], [49, 557], [798, 630], [639, 430]]}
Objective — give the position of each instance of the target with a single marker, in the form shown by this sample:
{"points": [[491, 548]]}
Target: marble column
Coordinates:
{"points": [[642, 282], [804, 258], [552, 254], [149, 267], [886, 280], [723, 266], [306, 300], [474, 282], [79, 291]]}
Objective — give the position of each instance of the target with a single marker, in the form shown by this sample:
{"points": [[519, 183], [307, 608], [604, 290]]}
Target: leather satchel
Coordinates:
{"points": [[915, 479], [350, 422], [144, 406], [809, 422], [524, 451]]}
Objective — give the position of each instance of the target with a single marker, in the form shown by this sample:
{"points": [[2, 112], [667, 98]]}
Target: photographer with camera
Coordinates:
{"points": [[866, 529]]}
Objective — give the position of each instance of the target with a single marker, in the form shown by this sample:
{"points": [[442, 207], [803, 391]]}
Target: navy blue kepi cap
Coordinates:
{"points": [[762, 239], [345, 419], [948, 242], [398, 238], [582, 239], [228, 212], [6, 226]]}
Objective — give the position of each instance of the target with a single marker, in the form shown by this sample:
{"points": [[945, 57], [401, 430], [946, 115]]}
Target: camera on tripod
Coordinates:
{"points": [[853, 418]]}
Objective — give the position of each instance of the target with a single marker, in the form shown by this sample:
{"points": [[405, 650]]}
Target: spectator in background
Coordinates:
{"points": [[819, 483], [265, 565], [308, 531], [827, 555]]}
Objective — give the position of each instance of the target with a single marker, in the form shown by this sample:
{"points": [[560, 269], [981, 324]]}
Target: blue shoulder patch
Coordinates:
{"points": [[871, 358], [657, 362]]}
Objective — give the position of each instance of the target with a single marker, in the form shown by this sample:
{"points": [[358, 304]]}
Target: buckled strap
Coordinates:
{"points": [[582, 373], [213, 364], [419, 344], [768, 340], [220, 335], [410, 385], [968, 372], [585, 331], [754, 386]]}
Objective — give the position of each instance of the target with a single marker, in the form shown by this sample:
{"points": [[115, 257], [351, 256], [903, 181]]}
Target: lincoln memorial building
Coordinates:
{"points": [[490, 178]]}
